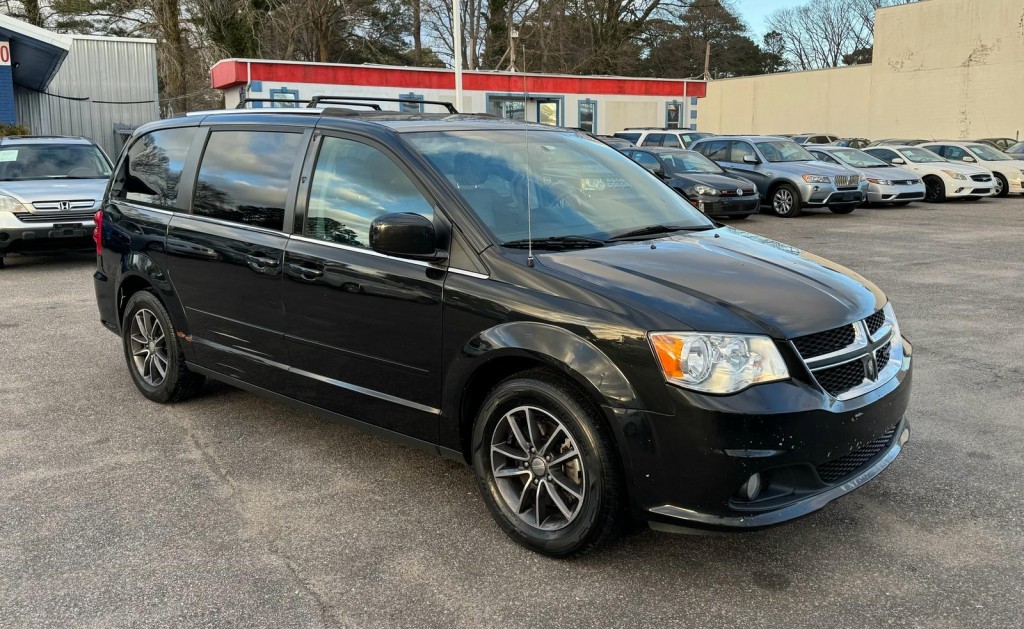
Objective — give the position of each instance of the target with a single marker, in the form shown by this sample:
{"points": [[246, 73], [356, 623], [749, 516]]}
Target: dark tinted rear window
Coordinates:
{"points": [[153, 166], [632, 137], [244, 176]]}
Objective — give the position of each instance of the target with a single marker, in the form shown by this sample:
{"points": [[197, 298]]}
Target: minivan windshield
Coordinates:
{"points": [[571, 186], [858, 159], [921, 156], [784, 151], [20, 162], [989, 154]]}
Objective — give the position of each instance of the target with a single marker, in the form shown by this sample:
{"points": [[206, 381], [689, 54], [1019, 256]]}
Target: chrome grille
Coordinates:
{"points": [[875, 321], [64, 206], [64, 217], [847, 181]]}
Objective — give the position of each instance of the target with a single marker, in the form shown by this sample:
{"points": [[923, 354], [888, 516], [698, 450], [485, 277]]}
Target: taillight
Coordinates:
{"points": [[97, 234]]}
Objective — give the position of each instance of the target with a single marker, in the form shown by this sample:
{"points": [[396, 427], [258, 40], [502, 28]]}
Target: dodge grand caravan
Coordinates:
{"points": [[598, 354]]}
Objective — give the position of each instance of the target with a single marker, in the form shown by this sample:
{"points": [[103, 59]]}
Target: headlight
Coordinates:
{"points": [[955, 175], [705, 190], [881, 182], [717, 363], [10, 204], [817, 179]]}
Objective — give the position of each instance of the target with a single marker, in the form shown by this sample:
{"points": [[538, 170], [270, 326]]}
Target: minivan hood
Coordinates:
{"points": [[726, 280], [34, 190]]}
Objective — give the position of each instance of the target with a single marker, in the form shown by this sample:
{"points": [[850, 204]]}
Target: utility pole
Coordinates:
{"points": [[457, 36], [513, 37], [707, 61]]}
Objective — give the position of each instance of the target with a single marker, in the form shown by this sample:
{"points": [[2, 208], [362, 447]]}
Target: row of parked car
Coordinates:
{"points": [[733, 176]]}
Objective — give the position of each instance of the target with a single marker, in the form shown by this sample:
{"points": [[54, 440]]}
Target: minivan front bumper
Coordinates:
{"points": [[689, 468]]}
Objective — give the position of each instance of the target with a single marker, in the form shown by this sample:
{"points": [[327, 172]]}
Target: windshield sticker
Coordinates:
{"points": [[9, 155]]}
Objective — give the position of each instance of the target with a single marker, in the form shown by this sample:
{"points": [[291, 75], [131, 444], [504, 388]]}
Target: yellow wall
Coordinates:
{"points": [[942, 69]]}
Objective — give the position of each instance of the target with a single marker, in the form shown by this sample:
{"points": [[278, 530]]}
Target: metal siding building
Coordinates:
{"points": [[106, 83]]}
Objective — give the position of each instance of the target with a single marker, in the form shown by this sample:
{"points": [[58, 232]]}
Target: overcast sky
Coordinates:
{"points": [[753, 12]]}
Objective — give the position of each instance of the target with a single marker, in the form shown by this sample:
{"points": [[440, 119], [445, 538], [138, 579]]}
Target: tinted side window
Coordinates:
{"points": [[952, 153], [883, 154], [741, 150], [153, 167], [354, 183], [672, 140], [244, 176], [647, 160], [653, 139], [632, 137], [717, 151]]}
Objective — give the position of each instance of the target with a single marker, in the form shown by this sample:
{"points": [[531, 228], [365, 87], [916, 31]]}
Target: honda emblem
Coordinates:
{"points": [[64, 206]]}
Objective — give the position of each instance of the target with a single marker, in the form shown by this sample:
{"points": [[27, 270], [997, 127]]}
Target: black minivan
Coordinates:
{"points": [[521, 298]]}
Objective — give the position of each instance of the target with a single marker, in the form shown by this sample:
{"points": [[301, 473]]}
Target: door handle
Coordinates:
{"points": [[305, 272], [262, 263]]}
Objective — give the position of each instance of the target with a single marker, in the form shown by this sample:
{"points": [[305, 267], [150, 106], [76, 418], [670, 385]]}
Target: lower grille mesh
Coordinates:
{"points": [[845, 465], [841, 378]]}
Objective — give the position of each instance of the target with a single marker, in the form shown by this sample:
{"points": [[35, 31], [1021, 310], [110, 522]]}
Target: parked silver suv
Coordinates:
{"points": [[786, 175], [50, 187]]}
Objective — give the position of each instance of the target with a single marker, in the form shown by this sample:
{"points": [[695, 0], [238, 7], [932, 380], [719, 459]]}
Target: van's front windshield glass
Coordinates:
{"points": [[575, 186]]}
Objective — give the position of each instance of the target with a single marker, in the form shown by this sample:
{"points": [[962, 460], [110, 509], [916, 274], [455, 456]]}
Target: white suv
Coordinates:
{"points": [[655, 136]]}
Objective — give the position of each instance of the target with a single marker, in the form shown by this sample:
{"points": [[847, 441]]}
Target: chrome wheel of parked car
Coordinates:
{"points": [[538, 468], [1002, 187], [149, 347], [786, 201], [547, 466]]}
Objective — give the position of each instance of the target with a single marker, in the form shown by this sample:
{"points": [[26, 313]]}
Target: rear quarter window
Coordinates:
{"points": [[152, 168]]}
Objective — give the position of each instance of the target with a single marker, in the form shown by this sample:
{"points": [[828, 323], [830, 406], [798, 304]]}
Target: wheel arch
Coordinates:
{"points": [[141, 276]]}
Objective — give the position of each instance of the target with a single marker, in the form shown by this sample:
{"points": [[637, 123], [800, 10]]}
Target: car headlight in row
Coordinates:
{"points": [[881, 182], [717, 363], [817, 179], [10, 204], [955, 175], [705, 190]]}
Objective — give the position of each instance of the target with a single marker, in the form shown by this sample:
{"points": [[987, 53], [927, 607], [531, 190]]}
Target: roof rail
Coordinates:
{"points": [[342, 100], [286, 103]]}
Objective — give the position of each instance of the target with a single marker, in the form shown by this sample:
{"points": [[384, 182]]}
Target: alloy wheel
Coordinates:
{"points": [[933, 190], [783, 201], [148, 345], [538, 468], [999, 187]]}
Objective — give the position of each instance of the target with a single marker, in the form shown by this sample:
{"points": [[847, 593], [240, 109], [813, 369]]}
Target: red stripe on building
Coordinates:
{"points": [[231, 72]]}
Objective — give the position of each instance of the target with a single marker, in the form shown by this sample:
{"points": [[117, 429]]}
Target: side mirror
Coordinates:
{"points": [[898, 160], [968, 158], [406, 235], [751, 159]]}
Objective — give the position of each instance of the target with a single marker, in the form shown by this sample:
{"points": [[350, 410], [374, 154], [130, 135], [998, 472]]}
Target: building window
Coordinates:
{"points": [[511, 107], [693, 101], [287, 97], [413, 108], [673, 114], [588, 115], [549, 112]]}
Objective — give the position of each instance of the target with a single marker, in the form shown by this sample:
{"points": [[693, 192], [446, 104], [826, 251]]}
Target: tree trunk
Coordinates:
{"points": [[168, 17], [33, 13]]}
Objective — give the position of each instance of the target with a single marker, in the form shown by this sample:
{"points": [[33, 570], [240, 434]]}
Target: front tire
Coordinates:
{"points": [[546, 466], [934, 190], [1002, 186], [786, 201], [153, 353]]}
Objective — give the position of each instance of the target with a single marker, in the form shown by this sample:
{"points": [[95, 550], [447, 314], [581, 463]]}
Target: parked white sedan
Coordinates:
{"points": [[1009, 171], [943, 179]]}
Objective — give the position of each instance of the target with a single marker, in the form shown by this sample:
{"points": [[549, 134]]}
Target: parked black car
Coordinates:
{"points": [[596, 355], [854, 143], [704, 183]]}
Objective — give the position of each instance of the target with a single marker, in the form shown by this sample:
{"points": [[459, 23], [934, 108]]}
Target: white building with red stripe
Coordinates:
{"points": [[601, 104]]}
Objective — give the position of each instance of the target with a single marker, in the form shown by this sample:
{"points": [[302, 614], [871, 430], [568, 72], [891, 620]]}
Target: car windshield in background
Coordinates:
{"points": [[858, 159], [575, 187], [988, 153], [690, 162], [52, 161], [921, 156], [784, 151]]}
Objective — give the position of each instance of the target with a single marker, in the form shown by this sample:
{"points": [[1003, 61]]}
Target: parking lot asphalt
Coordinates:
{"points": [[232, 510]]}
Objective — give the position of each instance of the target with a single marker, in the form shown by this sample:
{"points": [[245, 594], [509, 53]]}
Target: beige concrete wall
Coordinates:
{"points": [[942, 69]]}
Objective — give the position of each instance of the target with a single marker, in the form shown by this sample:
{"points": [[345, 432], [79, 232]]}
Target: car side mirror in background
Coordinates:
{"points": [[898, 160], [968, 158], [750, 159], [406, 235]]}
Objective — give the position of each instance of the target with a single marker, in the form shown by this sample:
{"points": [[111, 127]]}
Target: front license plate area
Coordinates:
{"points": [[67, 230]]}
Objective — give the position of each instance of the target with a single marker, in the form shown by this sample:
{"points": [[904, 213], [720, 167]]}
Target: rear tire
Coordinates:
{"points": [[542, 495], [786, 201], [153, 353]]}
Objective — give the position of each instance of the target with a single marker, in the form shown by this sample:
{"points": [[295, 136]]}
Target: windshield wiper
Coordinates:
{"points": [[652, 230], [555, 242]]}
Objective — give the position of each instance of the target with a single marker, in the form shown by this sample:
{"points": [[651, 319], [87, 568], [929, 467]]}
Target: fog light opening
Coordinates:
{"points": [[752, 488], [904, 437]]}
